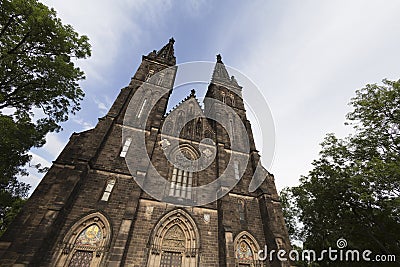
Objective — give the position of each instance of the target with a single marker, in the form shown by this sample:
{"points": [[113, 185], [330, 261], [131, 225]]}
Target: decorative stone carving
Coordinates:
{"points": [[164, 143], [207, 152], [174, 239], [207, 217]]}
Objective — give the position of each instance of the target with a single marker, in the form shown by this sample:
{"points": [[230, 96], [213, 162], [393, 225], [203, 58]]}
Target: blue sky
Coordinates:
{"points": [[307, 58]]}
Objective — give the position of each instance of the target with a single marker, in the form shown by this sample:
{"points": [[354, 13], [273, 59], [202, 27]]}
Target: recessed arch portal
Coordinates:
{"points": [[175, 241]]}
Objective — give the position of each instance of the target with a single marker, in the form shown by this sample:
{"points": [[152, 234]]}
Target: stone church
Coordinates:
{"points": [[102, 202]]}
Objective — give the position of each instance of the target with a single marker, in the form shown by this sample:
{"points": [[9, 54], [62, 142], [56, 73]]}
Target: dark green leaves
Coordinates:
{"points": [[37, 73], [353, 190]]}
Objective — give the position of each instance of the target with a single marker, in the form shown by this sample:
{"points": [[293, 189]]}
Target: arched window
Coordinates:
{"points": [[199, 127], [141, 108], [228, 100], [242, 210], [181, 178], [125, 147], [85, 243], [174, 241], [149, 74], [160, 78], [181, 184], [108, 190], [246, 249], [223, 98], [232, 99]]}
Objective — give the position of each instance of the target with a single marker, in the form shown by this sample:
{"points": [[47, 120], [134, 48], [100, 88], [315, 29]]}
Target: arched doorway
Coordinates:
{"points": [[174, 242]]}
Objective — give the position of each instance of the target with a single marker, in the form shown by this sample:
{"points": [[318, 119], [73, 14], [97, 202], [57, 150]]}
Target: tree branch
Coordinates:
{"points": [[3, 30], [20, 43]]}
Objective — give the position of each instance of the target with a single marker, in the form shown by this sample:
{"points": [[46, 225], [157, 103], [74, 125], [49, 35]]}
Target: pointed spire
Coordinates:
{"points": [[221, 75], [165, 54]]}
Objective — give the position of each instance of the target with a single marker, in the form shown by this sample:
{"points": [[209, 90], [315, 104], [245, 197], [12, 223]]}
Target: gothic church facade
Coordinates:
{"points": [[89, 209]]}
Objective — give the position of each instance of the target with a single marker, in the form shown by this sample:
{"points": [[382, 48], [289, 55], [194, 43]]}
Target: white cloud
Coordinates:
{"points": [[307, 56], [104, 104], [34, 176], [86, 125], [100, 105], [310, 62], [108, 25], [53, 145]]}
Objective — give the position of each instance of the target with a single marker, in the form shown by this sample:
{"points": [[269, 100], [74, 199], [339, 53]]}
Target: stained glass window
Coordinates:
{"points": [[244, 252], [91, 236], [81, 259], [171, 259]]}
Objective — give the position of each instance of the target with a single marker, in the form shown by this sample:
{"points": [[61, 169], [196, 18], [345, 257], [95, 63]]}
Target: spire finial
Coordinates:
{"points": [[192, 92], [219, 58], [165, 54]]}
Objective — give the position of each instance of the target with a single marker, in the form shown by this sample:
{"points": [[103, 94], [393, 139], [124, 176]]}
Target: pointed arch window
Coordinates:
{"points": [[85, 243], [87, 240], [246, 248]]}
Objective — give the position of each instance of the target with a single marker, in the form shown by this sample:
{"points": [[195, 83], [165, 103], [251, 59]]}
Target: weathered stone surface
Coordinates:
{"points": [[133, 224]]}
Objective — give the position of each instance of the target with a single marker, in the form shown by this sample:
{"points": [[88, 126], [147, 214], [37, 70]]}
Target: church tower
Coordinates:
{"points": [[131, 191]]}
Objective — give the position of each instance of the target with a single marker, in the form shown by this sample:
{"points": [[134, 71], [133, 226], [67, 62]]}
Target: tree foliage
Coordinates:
{"points": [[353, 190], [38, 85]]}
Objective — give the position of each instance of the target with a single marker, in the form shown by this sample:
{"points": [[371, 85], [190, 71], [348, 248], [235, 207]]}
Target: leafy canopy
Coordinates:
{"points": [[38, 85], [353, 190]]}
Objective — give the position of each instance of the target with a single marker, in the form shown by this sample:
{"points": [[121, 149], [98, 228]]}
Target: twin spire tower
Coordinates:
{"points": [[95, 207]]}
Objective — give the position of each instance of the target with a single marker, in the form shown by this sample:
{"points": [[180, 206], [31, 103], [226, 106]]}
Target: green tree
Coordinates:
{"points": [[38, 88], [291, 214], [353, 190]]}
